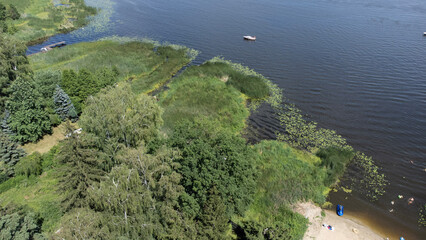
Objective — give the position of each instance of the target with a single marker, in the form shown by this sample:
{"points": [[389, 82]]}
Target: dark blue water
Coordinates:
{"points": [[356, 66]]}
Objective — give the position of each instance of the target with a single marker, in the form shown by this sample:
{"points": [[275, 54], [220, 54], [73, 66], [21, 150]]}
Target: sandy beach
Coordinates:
{"points": [[344, 227]]}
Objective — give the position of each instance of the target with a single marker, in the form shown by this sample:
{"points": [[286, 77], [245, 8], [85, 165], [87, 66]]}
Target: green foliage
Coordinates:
{"points": [[3, 13], [63, 105], [335, 161], [213, 221], [286, 176], [83, 223], [12, 12], [273, 224], [10, 153], [81, 169], [11, 183], [28, 119], [214, 157], [190, 98], [13, 64], [46, 82], [18, 227], [253, 86], [140, 197], [29, 165], [48, 160], [116, 114]]}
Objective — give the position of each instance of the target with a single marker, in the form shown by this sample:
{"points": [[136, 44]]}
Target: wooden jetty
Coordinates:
{"points": [[52, 46]]}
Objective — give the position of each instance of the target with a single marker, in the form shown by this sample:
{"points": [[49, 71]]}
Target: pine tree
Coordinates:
{"points": [[88, 83], [63, 105], [10, 153], [213, 221], [4, 126], [81, 169]]}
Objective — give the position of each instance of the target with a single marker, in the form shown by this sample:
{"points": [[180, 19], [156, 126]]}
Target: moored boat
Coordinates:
{"points": [[251, 38]]}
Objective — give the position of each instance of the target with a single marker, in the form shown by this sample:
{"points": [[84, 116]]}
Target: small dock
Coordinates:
{"points": [[52, 46]]}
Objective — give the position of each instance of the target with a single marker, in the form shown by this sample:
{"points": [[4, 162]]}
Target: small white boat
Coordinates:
{"points": [[424, 33], [251, 38]]}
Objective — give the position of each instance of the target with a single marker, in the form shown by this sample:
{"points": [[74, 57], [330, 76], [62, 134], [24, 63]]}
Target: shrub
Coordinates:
{"points": [[29, 165], [335, 161]]}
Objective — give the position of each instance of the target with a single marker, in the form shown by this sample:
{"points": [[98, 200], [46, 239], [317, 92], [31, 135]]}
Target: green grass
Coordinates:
{"points": [[195, 97], [286, 176], [40, 18], [252, 86], [38, 194], [136, 61]]}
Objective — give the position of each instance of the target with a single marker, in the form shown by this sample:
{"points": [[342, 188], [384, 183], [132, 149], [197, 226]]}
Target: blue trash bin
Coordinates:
{"points": [[339, 210]]}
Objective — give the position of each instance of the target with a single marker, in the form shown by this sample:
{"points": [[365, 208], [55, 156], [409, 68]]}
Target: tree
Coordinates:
{"points": [[70, 83], [13, 64], [63, 105], [46, 82], [3, 13], [18, 226], [213, 221], [83, 223], [117, 114], [10, 153], [13, 13], [88, 84], [28, 119], [214, 157], [81, 169]]}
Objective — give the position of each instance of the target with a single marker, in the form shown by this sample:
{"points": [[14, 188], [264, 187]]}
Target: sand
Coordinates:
{"points": [[345, 228]]}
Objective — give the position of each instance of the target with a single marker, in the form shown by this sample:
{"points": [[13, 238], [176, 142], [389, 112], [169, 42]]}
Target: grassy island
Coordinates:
{"points": [[36, 20]]}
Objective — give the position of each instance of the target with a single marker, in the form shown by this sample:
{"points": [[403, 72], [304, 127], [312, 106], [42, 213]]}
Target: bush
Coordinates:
{"points": [[29, 165], [48, 159], [335, 161], [214, 157]]}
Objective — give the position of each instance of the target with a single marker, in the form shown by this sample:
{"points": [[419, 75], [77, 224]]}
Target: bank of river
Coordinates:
{"points": [[351, 66]]}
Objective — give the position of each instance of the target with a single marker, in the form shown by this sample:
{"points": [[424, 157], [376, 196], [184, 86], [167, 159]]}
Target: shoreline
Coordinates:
{"points": [[345, 227]]}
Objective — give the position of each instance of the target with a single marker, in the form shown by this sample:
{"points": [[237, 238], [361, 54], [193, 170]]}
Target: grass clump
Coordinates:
{"points": [[251, 85], [194, 97]]}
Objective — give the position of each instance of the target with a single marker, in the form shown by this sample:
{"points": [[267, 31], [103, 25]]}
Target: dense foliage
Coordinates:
{"points": [[28, 119], [63, 105], [10, 153], [117, 115], [13, 64], [213, 157], [17, 226], [80, 169]]}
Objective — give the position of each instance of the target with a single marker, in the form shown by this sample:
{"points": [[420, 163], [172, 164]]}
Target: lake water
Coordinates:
{"points": [[355, 66]]}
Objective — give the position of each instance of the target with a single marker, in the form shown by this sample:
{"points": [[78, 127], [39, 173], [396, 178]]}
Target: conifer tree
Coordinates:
{"points": [[81, 169], [88, 84], [69, 82], [63, 105], [10, 153], [213, 221]]}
